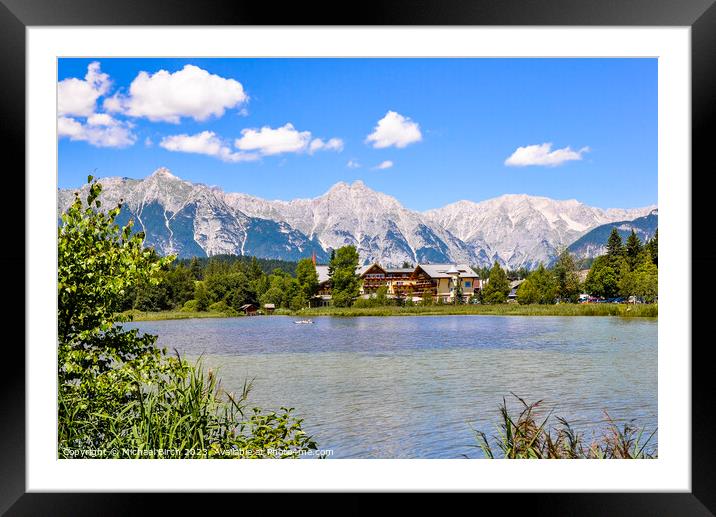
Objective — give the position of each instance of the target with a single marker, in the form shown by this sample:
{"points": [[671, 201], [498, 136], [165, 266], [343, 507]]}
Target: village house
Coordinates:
{"points": [[514, 286], [440, 281]]}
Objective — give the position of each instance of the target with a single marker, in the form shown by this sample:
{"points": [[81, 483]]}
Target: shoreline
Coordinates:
{"points": [[590, 310]]}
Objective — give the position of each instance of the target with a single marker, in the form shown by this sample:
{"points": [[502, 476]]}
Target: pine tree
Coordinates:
{"points": [[195, 269], [457, 292], [633, 250], [615, 247], [330, 263], [653, 247]]}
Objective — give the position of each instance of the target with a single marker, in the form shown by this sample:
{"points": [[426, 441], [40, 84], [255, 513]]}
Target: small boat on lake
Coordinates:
{"points": [[303, 322]]}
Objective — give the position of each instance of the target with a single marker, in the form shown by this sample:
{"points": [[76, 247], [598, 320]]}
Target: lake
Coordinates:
{"points": [[416, 387]]}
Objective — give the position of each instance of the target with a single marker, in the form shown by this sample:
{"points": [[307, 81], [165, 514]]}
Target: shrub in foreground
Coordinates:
{"points": [[118, 394]]}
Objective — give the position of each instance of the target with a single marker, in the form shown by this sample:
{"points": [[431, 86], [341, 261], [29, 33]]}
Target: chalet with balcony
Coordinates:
{"points": [[440, 281], [445, 281]]}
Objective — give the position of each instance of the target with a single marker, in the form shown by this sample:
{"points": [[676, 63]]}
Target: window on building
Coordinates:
{"points": [[468, 283]]}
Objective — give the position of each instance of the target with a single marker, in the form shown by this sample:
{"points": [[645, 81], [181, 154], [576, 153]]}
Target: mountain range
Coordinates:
{"points": [[594, 242], [193, 219]]}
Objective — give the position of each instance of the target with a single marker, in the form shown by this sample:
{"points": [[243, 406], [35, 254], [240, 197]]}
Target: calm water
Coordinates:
{"points": [[415, 387]]}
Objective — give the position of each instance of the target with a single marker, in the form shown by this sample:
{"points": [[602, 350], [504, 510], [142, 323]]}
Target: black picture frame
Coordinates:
{"points": [[700, 15]]}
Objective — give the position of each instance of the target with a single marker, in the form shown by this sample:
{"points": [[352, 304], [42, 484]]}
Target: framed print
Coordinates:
{"points": [[421, 248]]}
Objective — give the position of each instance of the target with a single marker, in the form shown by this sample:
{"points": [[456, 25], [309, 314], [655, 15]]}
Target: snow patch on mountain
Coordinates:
{"points": [[183, 218]]}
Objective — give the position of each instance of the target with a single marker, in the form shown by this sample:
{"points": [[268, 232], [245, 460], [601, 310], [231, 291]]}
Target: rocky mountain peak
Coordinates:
{"points": [[163, 172], [188, 218]]}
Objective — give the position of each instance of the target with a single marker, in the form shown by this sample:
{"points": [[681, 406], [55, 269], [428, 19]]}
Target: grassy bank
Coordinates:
{"points": [[509, 309], [173, 315]]}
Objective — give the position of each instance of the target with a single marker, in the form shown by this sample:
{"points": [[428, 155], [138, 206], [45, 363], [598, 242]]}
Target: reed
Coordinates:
{"points": [[137, 315], [181, 413], [528, 436]]}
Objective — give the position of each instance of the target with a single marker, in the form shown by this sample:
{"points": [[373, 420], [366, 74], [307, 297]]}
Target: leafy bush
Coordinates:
{"points": [[365, 303], [224, 307], [117, 392], [191, 306]]}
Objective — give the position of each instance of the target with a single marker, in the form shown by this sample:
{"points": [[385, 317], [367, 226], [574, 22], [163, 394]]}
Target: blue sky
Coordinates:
{"points": [[443, 129]]}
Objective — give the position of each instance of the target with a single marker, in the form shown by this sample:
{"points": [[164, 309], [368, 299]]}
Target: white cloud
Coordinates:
{"points": [[387, 164], [268, 141], [253, 144], [542, 154], [394, 130], [334, 144], [352, 164], [113, 104], [101, 119], [107, 134], [206, 142], [190, 92], [148, 142], [78, 97]]}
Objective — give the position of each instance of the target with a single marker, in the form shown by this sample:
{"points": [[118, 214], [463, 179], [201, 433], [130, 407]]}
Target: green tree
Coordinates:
{"points": [[427, 297], [307, 278], [345, 284], [457, 292], [628, 284], [116, 390], [615, 248], [149, 297], [647, 281], [233, 288], [330, 261], [381, 296], [97, 263], [633, 250], [498, 286], [273, 295], [653, 247], [201, 295], [196, 270], [253, 269], [567, 277], [299, 301], [179, 283], [540, 286], [261, 285], [604, 276]]}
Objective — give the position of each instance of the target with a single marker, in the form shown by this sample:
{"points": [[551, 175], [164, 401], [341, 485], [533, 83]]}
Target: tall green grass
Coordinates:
{"points": [[181, 413], [137, 315], [528, 436], [508, 309]]}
